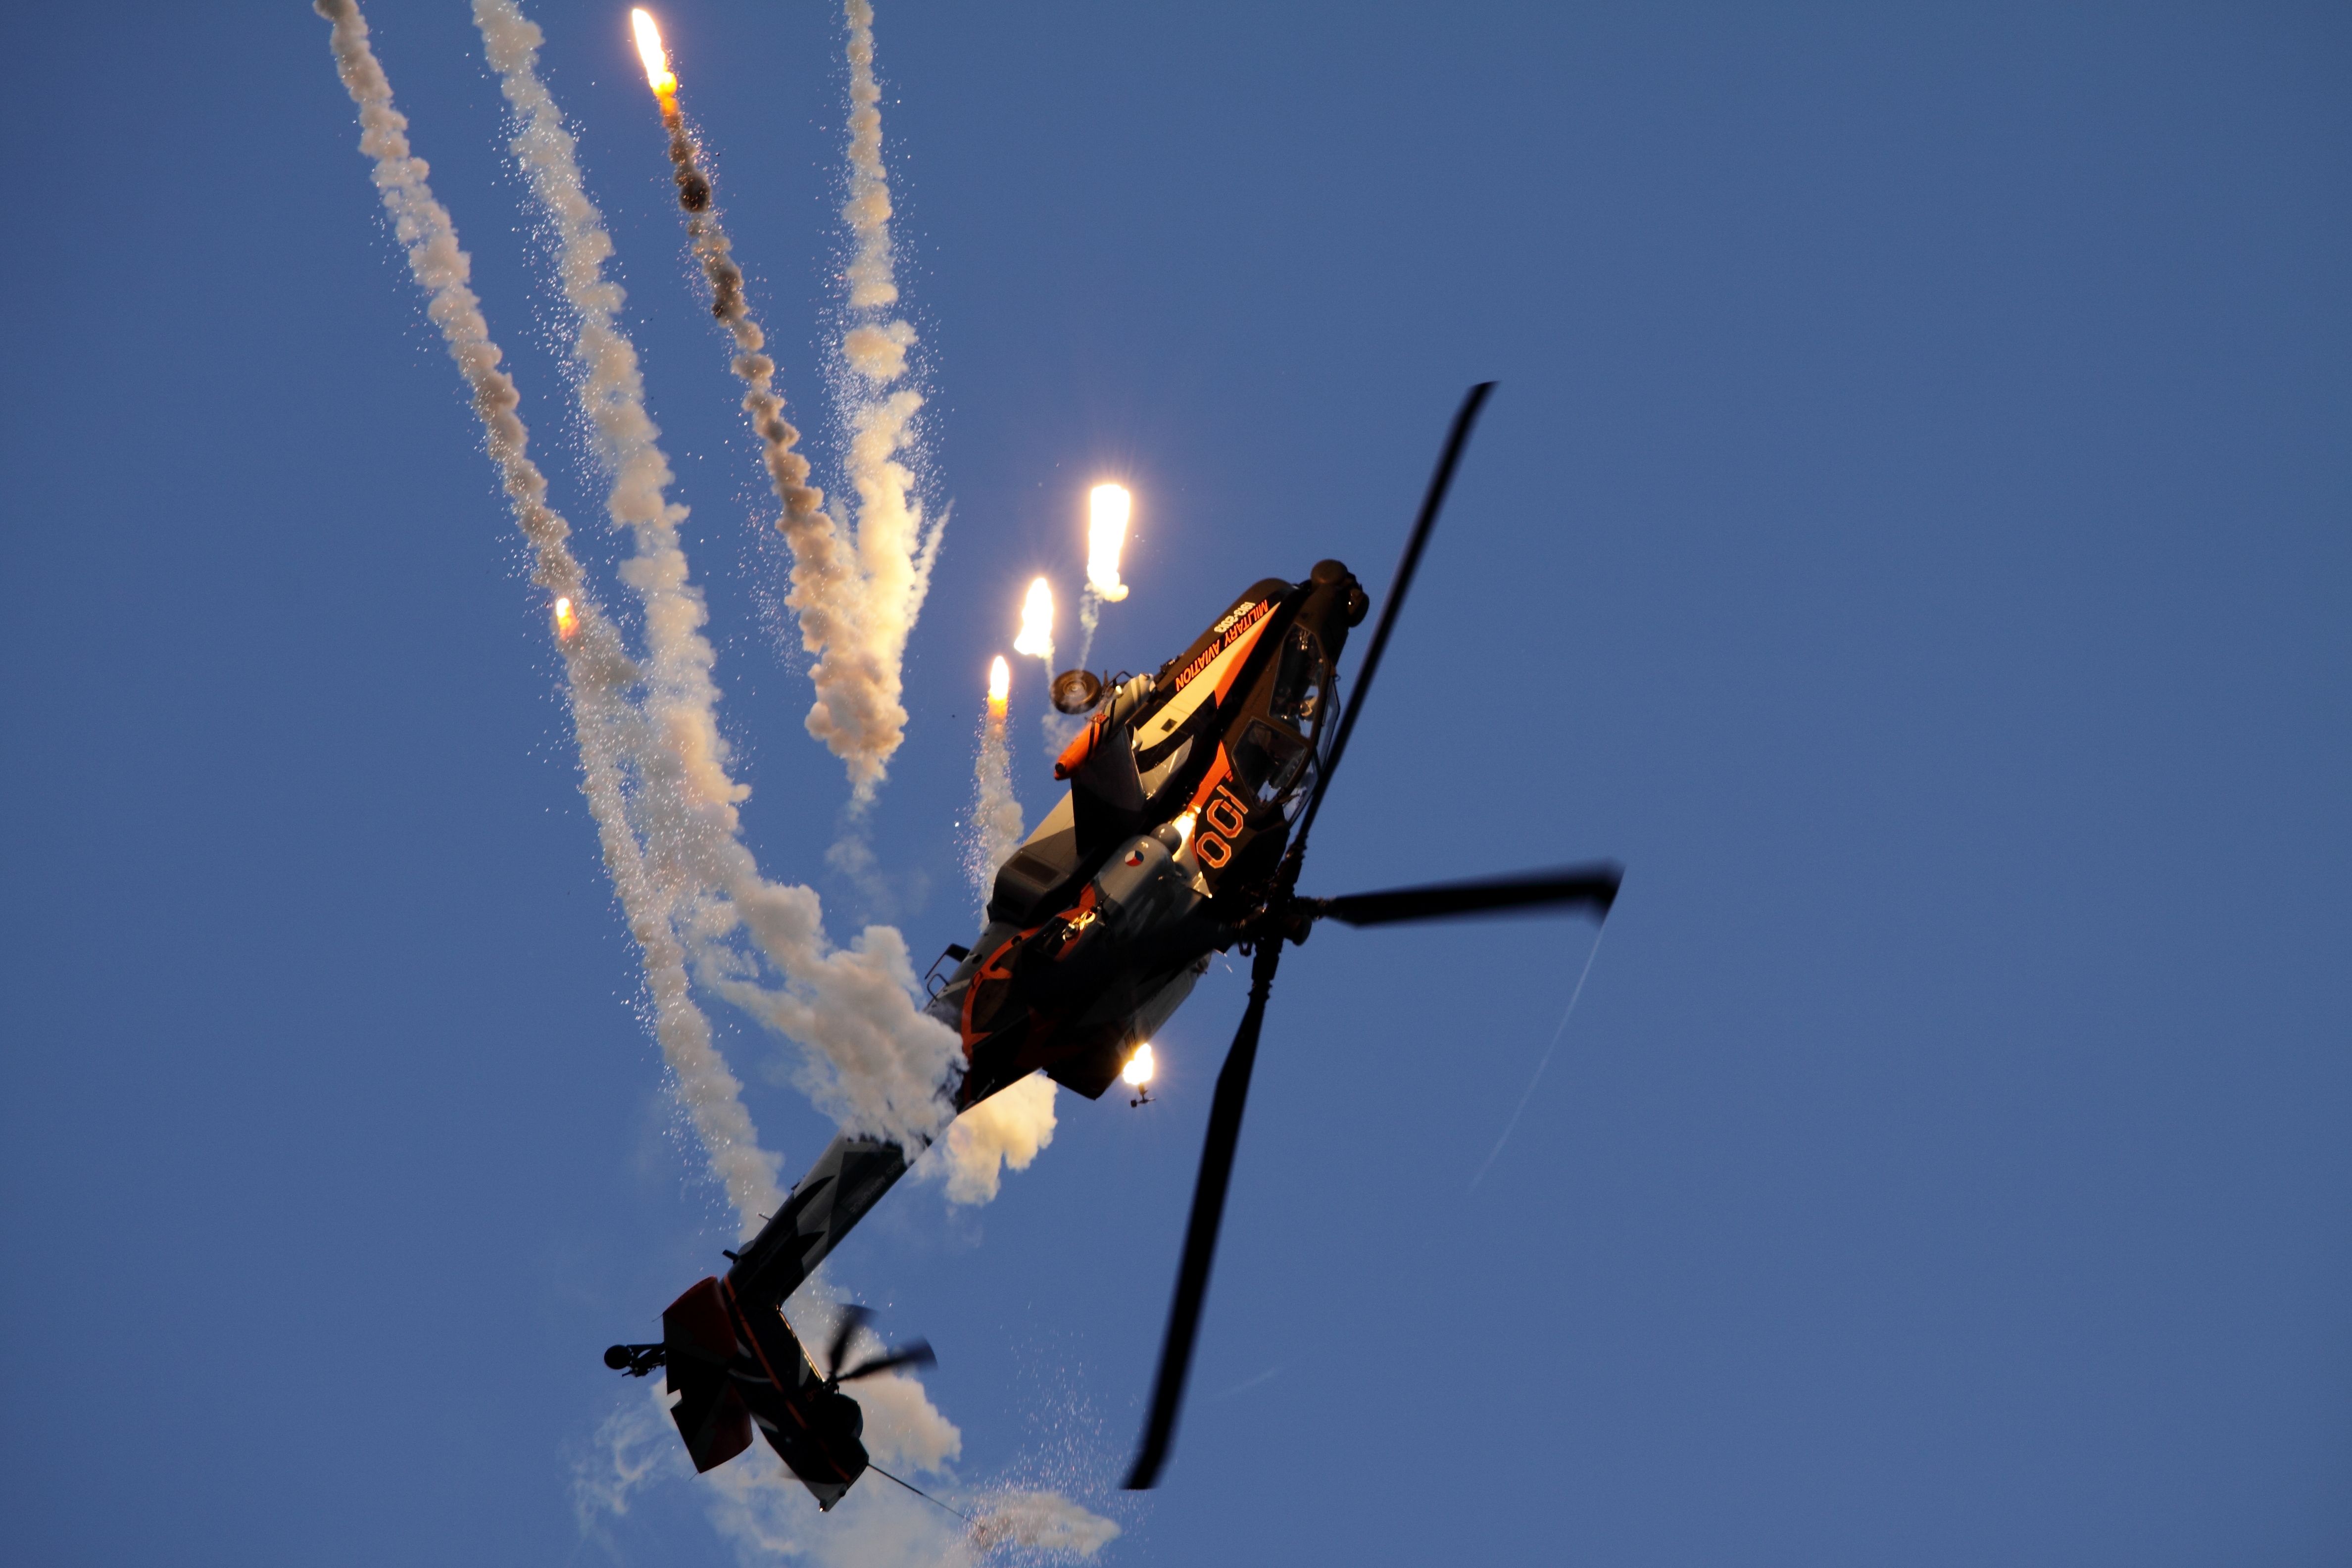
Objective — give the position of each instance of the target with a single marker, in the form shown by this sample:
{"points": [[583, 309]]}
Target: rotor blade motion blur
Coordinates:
{"points": [[918, 1353], [1431, 504], [1201, 1233], [1590, 887], [853, 1317], [1280, 916]]}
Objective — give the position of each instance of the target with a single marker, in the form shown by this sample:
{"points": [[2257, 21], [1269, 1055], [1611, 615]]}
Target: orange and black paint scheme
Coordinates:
{"points": [[1183, 787], [1191, 792]]}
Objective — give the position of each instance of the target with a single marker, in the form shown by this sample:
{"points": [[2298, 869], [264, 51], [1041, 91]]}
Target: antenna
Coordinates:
{"points": [[918, 1491]]}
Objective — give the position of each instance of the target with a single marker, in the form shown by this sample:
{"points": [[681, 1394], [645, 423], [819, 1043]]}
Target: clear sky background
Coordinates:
{"points": [[1914, 533]]}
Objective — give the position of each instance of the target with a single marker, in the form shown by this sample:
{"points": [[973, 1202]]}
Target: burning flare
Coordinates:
{"points": [[649, 49], [1037, 638], [1000, 685], [1108, 509], [1138, 1072], [567, 620]]}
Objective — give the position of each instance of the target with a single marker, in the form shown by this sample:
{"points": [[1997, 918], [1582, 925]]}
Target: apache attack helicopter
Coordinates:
{"points": [[1192, 790]]}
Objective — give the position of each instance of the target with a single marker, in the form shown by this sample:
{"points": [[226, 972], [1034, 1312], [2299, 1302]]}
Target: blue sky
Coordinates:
{"points": [[1911, 534]]}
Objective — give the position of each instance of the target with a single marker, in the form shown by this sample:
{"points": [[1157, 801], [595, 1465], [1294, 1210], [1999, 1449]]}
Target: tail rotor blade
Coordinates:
{"points": [[1431, 504], [853, 1317], [915, 1354], [1200, 1233], [1593, 887]]}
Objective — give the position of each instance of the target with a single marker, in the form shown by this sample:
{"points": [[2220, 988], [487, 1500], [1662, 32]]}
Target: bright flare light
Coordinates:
{"points": [[566, 622], [1037, 638], [1108, 509], [649, 49], [1000, 685], [1138, 1071]]}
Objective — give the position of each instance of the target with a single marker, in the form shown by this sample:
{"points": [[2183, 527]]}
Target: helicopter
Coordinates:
{"points": [[1192, 789]]}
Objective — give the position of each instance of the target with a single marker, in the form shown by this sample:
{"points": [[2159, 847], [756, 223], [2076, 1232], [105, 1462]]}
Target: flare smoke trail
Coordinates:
{"points": [[1010, 1127], [895, 550], [874, 979], [1089, 618], [996, 825], [768, 1516], [1039, 1521], [681, 694], [598, 674], [857, 587], [876, 1062], [824, 592]]}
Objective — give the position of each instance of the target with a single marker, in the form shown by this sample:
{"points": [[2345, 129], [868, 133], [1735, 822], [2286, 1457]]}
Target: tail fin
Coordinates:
{"points": [[698, 1341]]}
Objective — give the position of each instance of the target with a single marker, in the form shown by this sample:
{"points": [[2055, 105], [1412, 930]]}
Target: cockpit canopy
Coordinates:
{"points": [[1221, 742], [1273, 756]]}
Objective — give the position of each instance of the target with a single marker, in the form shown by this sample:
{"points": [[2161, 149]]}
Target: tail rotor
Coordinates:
{"points": [[915, 1352]]}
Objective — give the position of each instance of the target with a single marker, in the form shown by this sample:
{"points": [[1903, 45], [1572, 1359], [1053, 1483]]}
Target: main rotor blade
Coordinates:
{"points": [[1201, 1233], [853, 1317], [917, 1355], [1431, 504], [1594, 886]]}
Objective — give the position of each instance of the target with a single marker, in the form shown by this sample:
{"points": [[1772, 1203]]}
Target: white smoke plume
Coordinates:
{"points": [[867, 987], [1060, 729], [857, 713], [769, 1517], [598, 674], [1008, 1128], [996, 826], [857, 582], [1039, 1521], [875, 1062], [757, 1506], [873, 281], [896, 548], [1089, 618]]}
